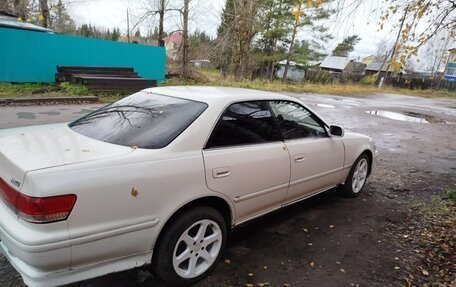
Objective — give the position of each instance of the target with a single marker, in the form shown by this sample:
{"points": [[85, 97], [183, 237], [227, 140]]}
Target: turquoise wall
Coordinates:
{"points": [[29, 56]]}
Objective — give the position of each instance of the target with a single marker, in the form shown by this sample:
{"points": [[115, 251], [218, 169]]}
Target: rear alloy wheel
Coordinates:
{"points": [[190, 246], [357, 177]]}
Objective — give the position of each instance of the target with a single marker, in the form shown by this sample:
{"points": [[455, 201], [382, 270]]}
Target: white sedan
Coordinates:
{"points": [[160, 177]]}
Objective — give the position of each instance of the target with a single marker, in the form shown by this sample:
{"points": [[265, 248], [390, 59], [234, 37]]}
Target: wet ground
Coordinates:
{"points": [[328, 240]]}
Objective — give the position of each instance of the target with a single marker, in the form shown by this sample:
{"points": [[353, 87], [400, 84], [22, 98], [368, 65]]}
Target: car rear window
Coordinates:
{"points": [[143, 120]]}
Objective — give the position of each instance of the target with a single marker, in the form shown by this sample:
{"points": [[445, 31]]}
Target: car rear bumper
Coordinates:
{"points": [[37, 278], [42, 253]]}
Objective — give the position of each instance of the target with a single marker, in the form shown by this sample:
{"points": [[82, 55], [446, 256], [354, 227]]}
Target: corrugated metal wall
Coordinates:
{"points": [[29, 56]]}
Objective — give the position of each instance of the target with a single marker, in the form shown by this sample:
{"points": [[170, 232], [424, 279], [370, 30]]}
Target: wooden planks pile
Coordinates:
{"points": [[104, 79]]}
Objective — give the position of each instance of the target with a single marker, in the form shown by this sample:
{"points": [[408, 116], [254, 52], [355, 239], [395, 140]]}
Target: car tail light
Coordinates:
{"points": [[37, 209]]}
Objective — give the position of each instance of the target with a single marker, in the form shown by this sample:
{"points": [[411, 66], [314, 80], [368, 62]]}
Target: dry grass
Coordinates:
{"points": [[216, 79]]}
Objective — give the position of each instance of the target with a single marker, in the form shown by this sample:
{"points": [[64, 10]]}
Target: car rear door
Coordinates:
{"points": [[316, 158], [246, 159]]}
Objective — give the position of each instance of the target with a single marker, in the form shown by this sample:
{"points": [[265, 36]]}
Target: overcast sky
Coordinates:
{"points": [[206, 16]]}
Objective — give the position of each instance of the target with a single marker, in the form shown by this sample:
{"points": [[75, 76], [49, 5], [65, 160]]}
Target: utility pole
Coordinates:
{"points": [[297, 14], [128, 27]]}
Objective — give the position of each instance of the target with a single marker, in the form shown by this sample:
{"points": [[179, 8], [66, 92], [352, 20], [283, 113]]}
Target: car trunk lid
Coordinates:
{"points": [[40, 147]]}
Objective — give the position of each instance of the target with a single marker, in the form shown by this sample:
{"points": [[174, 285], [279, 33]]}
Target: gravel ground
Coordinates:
{"points": [[328, 240]]}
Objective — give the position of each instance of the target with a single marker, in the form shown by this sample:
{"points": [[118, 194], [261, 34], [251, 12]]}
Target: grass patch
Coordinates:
{"points": [[450, 195], [214, 78], [39, 90], [74, 90]]}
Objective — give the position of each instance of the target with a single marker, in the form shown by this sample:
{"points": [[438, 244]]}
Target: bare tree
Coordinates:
{"points": [[21, 8], [185, 59], [245, 10]]}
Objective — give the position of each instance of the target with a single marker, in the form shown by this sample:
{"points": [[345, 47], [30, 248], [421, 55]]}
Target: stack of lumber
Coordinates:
{"points": [[104, 79]]}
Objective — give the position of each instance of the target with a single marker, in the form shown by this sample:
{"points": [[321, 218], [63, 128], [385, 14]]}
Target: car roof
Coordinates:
{"points": [[216, 95]]}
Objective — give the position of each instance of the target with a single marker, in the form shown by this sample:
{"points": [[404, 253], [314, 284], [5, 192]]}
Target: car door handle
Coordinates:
{"points": [[299, 157], [221, 172]]}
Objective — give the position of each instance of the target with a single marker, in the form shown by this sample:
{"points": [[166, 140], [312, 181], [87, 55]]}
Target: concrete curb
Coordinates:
{"points": [[54, 100]]}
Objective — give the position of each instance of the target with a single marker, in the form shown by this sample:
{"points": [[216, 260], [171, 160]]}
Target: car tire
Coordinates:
{"points": [[357, 177], [190, 246]]}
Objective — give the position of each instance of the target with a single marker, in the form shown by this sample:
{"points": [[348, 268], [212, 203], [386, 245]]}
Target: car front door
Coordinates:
{"points": [[316, 157], [246, 159]]}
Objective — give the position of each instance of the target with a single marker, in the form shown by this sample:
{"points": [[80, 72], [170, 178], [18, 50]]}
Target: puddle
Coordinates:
{"points": [[406, 117], [83, 111], [26, 115], [51, 113], [326, 106]]}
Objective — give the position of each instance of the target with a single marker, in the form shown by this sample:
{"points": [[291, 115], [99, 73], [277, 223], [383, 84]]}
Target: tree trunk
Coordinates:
{"points": [[45, 12], [161, 13], [185, 59], [245, 11], [290, 49]]}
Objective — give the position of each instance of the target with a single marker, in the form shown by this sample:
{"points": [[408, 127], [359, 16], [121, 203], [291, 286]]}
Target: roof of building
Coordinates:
{"points": [[376, 65], [335, 63], [292, 63], [12, 22], [175, 37]]}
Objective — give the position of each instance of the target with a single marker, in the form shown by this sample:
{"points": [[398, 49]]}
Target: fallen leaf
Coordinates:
{"points": [[331, 226], [425, 272], [227, 261], [310, 243], [397, 267], [342, 270], [250, 274], [312, 264], [305, 230], [248, 285]]}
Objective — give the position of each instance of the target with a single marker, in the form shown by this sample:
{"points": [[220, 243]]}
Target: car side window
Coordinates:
{"points": [[245, 123], [295, 121]]}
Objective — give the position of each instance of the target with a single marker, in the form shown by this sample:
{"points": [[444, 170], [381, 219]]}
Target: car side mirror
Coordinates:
{"points": [[336, 131]]}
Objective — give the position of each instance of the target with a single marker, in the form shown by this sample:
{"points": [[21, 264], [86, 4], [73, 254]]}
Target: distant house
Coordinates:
{"points": [[369, 59], [450, 70], [173, 44], [374, 67], [335, 64], [295, 72], [201, 63]]}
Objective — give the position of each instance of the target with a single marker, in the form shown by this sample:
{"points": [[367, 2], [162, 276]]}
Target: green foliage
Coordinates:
{"points": [[346, 46], [450, 195], [90, 31], [73, 89], [368, 80]]}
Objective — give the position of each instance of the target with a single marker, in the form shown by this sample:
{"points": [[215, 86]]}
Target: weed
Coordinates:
{"points": [[74, 89]]}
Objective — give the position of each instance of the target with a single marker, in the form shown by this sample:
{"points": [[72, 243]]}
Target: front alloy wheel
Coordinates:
{"points": [[357, 177]]}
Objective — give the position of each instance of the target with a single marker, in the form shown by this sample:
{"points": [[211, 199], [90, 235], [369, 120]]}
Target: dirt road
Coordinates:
{"points": [[328, 240]]}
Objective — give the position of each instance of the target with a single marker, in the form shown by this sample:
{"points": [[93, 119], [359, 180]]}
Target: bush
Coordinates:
{"points": [[73, 89], [368, 80], [322, 77]]}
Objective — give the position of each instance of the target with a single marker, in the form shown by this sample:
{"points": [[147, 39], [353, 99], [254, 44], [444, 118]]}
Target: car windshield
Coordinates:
{"points": [[143, 120]]}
